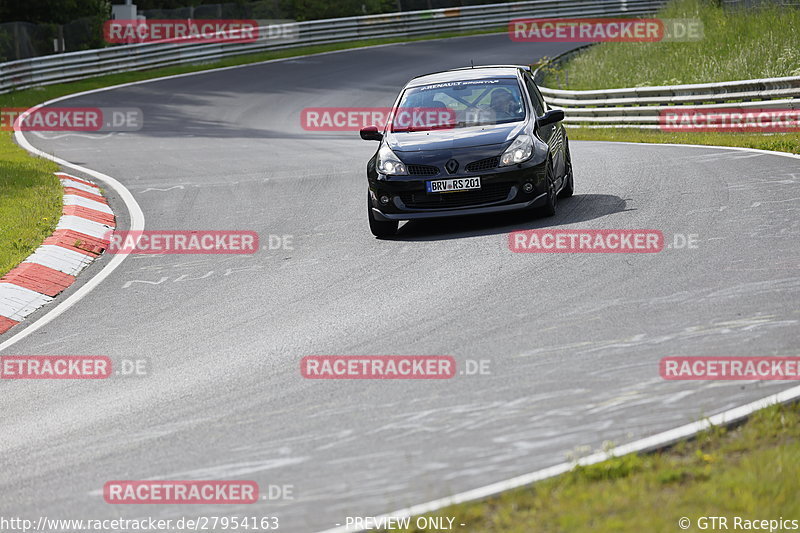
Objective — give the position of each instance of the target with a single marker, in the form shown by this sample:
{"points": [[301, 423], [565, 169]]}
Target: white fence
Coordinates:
{"points": [[641, 107], [122, 58], [635, 107]]}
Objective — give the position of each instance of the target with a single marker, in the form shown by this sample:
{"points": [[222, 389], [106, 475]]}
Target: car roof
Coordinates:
{"points": [[467, 73]]}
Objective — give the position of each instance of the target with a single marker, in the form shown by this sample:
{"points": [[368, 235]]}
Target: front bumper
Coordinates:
{"points": [[501, 190], [459, 211]]}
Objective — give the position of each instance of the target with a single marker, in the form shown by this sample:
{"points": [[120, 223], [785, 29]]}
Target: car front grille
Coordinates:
{"points": [[422, 170], [484, 164], [491, 192]]}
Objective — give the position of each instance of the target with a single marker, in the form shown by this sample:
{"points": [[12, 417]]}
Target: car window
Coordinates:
{"points": [[536, 97], [464, 103]]}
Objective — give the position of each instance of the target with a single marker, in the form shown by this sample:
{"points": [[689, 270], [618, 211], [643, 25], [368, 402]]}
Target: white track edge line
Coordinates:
{"points": [[137, 223], [737, 148], [659, 440], [137, 217], [653, 442]]}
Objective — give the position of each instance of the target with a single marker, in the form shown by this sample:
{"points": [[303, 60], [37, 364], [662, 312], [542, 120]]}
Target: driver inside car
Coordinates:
{"points": [[502, 103]]}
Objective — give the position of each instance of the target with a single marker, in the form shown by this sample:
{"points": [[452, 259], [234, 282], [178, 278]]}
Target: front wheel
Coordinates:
{"points": [[382, 229], [549, 208], [569, 186]]}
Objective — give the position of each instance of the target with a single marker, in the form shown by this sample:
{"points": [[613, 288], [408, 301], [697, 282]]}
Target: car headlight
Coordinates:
{"points": [[520, 150], [388, 163]]}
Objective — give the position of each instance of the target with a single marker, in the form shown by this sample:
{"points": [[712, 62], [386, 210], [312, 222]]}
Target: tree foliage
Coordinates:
{"points": [[52, 11]]}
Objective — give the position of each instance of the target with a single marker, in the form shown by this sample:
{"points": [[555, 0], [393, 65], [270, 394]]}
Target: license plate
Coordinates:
{"points": [[453, 185]]}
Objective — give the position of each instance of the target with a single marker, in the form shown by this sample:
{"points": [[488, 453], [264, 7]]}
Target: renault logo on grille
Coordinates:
{"points": [[451, 166]]}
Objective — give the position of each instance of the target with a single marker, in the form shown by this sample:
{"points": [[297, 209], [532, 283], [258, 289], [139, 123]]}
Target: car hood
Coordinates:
{"points": [[453, 139]]}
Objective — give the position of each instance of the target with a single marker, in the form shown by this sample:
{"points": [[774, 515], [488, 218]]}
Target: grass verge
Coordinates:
{"points": [[28, 210], [30, 196], [30, 202], [750, 471], [780, 142], [737, 45]]}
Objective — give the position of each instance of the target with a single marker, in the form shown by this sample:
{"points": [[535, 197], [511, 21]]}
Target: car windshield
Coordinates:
{"points": [[459, 104]]}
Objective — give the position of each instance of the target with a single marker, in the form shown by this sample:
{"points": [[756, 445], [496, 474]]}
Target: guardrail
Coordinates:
{"points": [[641, 107], [73, 66]]}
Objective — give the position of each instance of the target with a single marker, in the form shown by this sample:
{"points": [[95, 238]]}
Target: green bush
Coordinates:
{"points": [[737, 45]]}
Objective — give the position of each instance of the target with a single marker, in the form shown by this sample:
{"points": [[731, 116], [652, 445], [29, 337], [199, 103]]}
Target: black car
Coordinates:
{"points": [[491, 146]]}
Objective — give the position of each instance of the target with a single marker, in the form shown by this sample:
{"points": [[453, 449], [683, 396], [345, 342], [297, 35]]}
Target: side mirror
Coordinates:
{"points": [[371, 133], [551, 117]]}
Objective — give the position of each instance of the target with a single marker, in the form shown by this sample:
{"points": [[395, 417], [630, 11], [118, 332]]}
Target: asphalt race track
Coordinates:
{"points": [[573, 340]]}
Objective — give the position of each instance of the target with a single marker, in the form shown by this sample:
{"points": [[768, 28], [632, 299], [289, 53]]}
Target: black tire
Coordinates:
{"points": [[569, 186], [549, 208], [382, 229]]}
